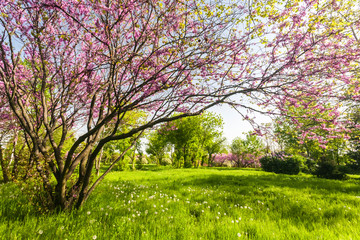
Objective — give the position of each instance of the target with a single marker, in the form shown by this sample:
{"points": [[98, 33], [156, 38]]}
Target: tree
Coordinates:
{"points": [[157, 147], [191, 139], [314, 136], [246, 150], [66, 64]]}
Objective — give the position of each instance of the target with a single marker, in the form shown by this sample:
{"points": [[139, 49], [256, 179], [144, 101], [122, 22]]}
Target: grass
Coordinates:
{"points": [[195, 204]]}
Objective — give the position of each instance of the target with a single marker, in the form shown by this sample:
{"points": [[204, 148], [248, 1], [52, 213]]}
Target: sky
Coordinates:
{"points": [[234, 125]]}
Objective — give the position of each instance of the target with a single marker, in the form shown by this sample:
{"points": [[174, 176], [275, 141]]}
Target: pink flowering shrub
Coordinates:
{"points": [[247, 160]]}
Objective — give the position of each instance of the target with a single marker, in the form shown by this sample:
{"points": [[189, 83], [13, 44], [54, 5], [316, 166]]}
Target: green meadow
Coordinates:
{"points": [[211, 203]]}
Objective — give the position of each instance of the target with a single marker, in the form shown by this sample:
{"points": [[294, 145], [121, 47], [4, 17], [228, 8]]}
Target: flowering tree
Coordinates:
{"points": [[309, 136], [72, 64]]}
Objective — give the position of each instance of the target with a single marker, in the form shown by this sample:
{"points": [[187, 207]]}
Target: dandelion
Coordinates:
{"points": [[94, 237], [62, 227], [88, 213], [40, 232]]}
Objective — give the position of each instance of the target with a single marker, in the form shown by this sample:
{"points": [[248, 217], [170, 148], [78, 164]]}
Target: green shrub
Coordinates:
{"points": [[122, 165], [329, 170], [282, 163], [293, 164], [309, 166]]}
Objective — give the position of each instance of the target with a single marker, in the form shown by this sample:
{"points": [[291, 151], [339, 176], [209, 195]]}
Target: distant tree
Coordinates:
{"points": [[217, 145], [192, 139], [247, 150], [157, 147]]}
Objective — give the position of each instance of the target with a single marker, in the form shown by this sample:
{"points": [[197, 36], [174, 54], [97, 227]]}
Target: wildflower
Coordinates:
{"points": [[94, 237], [40, 232], [239, 234], [88, 213]]}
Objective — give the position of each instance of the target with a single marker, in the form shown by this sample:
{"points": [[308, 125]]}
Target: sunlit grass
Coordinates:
{"points": [[196, 204]]}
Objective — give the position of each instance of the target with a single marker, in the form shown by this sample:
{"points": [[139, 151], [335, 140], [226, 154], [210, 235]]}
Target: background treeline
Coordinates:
{"points": [[199, 141]]}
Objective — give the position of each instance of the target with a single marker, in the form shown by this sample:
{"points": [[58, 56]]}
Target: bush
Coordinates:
{"points": [[309, 166], [293, 164], [282, 163], [329, 170], [122, 165]]}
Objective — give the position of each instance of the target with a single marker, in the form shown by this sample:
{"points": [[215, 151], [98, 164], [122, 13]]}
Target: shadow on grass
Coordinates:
{"points": [[253, 182]]}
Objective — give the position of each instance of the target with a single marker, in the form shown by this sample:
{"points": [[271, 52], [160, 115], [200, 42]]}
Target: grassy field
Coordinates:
{"points": [[195, 204]]}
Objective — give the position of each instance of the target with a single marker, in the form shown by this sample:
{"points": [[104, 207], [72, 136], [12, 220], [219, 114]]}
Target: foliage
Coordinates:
{"points": [[279, 162], [156, 147], [303, 133], [247, 151], [192, 140], [223, 159], [329, 170]]}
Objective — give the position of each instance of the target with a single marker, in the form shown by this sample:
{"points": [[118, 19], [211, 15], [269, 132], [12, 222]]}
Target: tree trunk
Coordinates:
{"points": [[4, 167], [98, 162], [134, 158]]}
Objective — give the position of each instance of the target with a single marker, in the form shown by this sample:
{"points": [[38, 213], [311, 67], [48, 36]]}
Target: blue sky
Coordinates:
{"points": [[234, 125]]}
